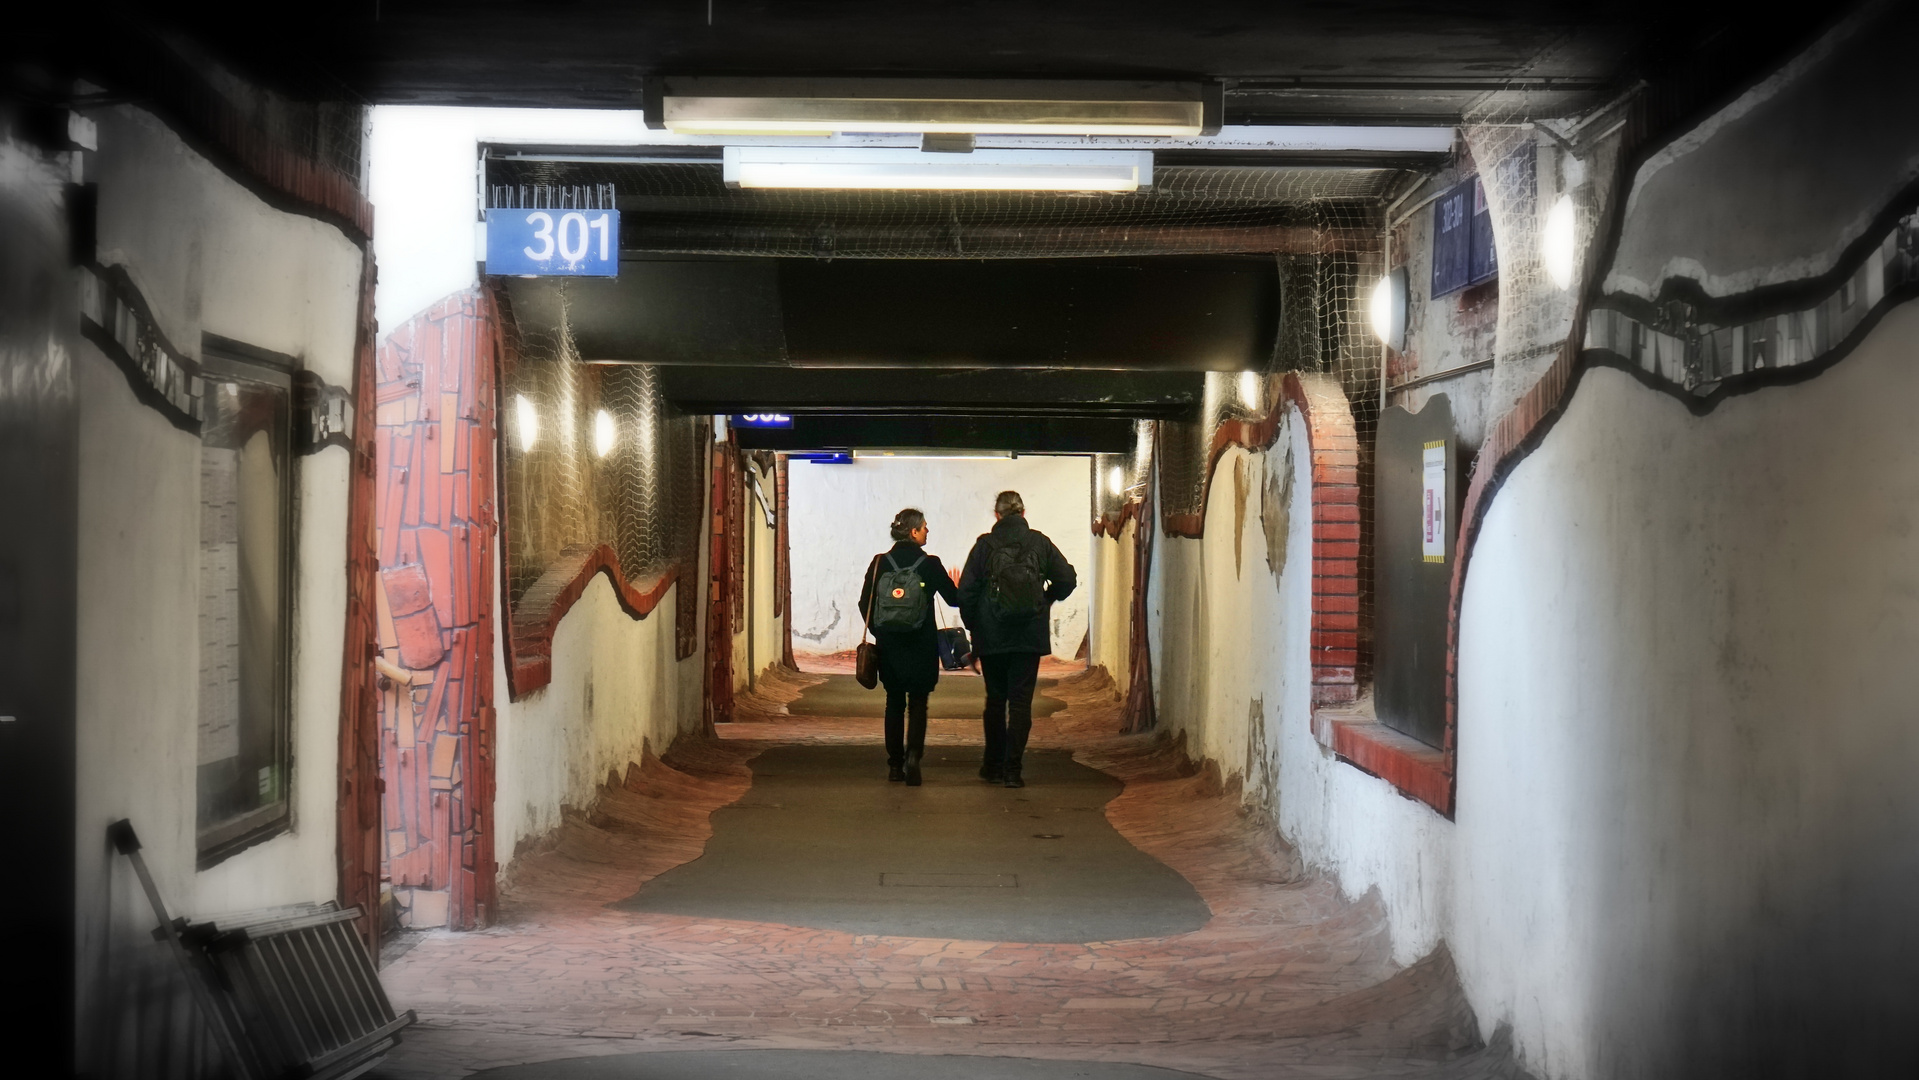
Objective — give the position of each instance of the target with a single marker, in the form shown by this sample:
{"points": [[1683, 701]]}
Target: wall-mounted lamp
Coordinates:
{"points": [[889, 169], [1250, 396], [527, 420], [605, 434], [1386, 310], [1559, 242], [1116, 479]]}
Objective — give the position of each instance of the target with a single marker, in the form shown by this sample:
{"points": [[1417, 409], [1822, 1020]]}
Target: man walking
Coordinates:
{"points": [[1013, 577]]}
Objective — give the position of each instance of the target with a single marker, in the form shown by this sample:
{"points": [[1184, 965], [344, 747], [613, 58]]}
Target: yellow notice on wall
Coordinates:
{"points": [[1433, 513]]}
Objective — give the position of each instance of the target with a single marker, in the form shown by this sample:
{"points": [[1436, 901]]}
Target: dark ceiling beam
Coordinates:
{"points": [[1163, 313], [1034, 435], [1170, 395]]}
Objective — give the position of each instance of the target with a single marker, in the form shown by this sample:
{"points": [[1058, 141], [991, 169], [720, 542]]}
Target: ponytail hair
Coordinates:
{"points": [[906, 523]]}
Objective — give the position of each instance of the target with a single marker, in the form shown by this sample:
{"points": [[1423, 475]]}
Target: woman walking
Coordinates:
{"points": [[896, 600]]}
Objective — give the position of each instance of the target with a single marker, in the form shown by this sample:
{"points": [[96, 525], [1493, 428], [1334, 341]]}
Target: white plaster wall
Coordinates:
{"points": [[765, 636], [616, 688], [841, 513], [1233, 673], [210, 257], [1686, 811], [1110, 605]]}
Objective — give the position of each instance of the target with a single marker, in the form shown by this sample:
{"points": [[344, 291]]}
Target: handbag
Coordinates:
{"points": [[866, 658]]}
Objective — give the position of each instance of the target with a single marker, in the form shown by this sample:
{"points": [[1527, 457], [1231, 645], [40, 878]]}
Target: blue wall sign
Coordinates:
{"points": [[823, 458], [565, 243], [1463, 252], [761, 420]]}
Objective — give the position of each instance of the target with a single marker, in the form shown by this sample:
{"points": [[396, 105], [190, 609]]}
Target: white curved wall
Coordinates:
{"points": [[840, 514], [616, 688]]}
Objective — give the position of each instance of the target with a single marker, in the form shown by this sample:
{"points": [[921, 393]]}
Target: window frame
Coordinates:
{"points": [[223, 360]]}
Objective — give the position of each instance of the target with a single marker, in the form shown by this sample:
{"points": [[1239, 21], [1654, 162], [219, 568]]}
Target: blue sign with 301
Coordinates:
{"points": [[569, 243]]}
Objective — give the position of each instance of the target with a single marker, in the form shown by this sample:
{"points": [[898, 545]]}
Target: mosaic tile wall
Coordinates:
{"points": [[434, 449]]}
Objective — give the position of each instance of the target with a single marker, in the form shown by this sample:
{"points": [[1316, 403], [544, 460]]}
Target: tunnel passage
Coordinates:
{"points": [[958, 697], [821, 840]]}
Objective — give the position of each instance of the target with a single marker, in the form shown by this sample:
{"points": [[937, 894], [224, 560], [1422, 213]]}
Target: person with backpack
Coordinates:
{"points": [[896, 600], [1013, 577]]}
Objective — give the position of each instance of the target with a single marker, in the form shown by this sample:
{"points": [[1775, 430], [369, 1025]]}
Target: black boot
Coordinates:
{"points": [[894, 771], [912, 770], [991, 772], [1010, 775]]}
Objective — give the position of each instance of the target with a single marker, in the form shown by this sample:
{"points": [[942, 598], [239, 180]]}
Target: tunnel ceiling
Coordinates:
{"points": [[1358, 60]]}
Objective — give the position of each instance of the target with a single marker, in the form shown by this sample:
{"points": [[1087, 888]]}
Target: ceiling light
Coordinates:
{"points": [[1559, 242], [741, 106], [527, 419], [605, 434], [1386, 310], [881, 168]]}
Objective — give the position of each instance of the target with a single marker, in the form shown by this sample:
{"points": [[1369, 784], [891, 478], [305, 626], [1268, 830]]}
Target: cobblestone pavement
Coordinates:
{"points": [[1287, 980]]}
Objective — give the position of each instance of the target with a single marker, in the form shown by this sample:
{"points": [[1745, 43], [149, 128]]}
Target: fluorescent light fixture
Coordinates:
{"points": [[1559, 242], [740, 106], [880, 168], [605, 434], [527, 420], [928, 452]]}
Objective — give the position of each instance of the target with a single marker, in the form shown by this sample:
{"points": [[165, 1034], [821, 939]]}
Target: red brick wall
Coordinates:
{"points": [[438, 543]]}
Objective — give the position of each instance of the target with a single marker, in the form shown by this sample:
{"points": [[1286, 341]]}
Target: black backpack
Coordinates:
{"points": [[1016, 579], [899, 597]]}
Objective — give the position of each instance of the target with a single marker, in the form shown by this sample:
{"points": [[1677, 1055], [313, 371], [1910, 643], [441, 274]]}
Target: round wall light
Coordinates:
{"points": [[1559, 242], [1386, 310], [605, 434], [527, 419]]}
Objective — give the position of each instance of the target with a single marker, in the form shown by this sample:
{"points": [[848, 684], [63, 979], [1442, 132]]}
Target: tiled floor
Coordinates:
{"points": [[1287, 979]]}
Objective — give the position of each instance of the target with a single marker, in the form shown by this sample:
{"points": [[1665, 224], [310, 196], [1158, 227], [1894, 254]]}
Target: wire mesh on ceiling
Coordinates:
{"points": [[685, 208], [594, 456]]}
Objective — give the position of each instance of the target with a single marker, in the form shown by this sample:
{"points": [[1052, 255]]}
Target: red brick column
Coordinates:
{"points": [[1335, 449], [437, 529]]}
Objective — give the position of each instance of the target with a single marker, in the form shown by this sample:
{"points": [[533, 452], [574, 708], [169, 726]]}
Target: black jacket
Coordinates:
{"points": [[909, 659], [1028, 635]]}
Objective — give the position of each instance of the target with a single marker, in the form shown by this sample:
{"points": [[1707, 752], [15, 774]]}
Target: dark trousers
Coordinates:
{"points": [[1010, 679], [905, 725]]}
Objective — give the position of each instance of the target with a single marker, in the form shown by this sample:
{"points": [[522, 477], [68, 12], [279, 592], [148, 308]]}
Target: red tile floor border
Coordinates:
{"points": [[1287, 979]]}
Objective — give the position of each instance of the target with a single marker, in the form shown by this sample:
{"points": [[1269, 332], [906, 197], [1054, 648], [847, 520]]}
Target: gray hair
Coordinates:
{"points": [[906, 523], [1009, 502]]}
